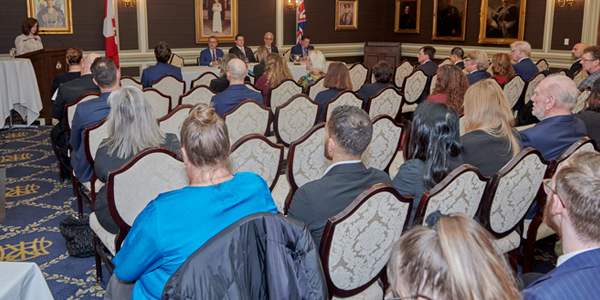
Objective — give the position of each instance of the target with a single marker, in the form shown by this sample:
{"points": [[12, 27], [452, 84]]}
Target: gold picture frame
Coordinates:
{"points": [[346, 14], [408, 16], [502, 24], [51, 20], [449, 20], [207, 11]]}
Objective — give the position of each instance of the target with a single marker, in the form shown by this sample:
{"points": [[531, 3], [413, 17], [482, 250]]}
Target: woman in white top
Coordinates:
{"points": [[29, 41], [217, 17]]}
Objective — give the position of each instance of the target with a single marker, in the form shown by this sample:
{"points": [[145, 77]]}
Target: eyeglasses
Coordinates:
{"points": [[467, 59], [588, 59], [413, 297], [514, 50], [548, 189]]}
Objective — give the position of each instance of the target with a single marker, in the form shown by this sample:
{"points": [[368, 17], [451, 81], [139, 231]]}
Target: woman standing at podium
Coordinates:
{"points": [[29, 41]]}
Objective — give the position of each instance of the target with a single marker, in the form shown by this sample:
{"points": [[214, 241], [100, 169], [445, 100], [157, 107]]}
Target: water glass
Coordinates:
{"points": [[13, 53]]}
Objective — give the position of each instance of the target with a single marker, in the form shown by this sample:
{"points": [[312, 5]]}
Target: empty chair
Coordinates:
{"points": [[204, 79], [161, 103], [387, 135], [387, 102], [580, 76], [170, 86], [198, 94], [283, 92], [412, 88], [130, 81], [247, 117], [532, 85], [542, 65], [344, 98], [316, 87], [358, 75], [513, 89], [404, 69], [171, 123], [295, 118]]}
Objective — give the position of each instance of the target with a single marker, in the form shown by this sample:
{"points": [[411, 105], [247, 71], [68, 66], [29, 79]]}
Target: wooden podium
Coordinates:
{"points": [[378, 51], [47, 63]]}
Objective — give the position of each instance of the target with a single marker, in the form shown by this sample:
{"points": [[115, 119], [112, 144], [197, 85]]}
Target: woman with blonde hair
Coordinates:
{"points": [[502, 67], [490, 141], [261, 54], [316, 66], [477, 64], [276, 71], [450, 87], [453, 258]]}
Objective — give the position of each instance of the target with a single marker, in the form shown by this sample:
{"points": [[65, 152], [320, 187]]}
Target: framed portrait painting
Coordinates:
{"points": [[346, 12], [53, 16], [218, 18], [502, 21], [449, 20], [408, 14]]}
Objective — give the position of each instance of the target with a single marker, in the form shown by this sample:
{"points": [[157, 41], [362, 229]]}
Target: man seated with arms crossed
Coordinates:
{"points": [[590, 62], [348, 132], [162, 52], [302, 48], [210, 56], [519, 53], [269, 43], [237, 90], [91, 112], [573, 211]]}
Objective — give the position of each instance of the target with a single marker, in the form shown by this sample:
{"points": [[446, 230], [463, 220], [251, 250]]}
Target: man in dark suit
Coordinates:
{"points": [[237, 90], [382, 73], [576, 53], [426, 54], [210, 56], [269, 43], [241, 50], [406, 20], [456, 57], [162, 52], [302, 48], [91, 112], [519, 53], [68, 93], [348, 132], [571, 211]]}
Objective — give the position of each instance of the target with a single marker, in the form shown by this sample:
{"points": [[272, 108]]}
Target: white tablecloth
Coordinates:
{"points": [[19, 89], [23, 281]]}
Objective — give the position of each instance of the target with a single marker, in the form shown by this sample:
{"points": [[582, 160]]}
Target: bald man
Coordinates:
{"points": [[68, 93], [576, 53], [237, 90]]}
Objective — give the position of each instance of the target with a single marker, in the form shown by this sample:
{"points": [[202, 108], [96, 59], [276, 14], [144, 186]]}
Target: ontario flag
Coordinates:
{"points": [[301, 21], [110, 32]]}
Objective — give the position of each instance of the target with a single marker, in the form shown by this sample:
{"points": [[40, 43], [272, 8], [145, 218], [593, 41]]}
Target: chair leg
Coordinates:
{"points": [[98, 259], [60, 166]]}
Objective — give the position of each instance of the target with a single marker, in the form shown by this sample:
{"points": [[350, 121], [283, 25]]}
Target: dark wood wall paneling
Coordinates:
{"points": [[128, 27], [568, 23], [130, 71]]}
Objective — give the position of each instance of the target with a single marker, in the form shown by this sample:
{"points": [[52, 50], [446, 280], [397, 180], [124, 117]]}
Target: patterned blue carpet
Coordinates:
{"points": [[36, 201]]}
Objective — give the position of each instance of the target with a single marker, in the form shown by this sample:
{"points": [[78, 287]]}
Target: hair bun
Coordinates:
{"points": [[204, 114]]}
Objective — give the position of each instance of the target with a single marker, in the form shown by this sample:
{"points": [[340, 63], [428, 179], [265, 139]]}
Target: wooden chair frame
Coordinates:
{"points": [[357, 65], [132, 79], [521, 96], [180, 101], [397, 147], [153, 90], [542, 61], [308, 89], [239, 105], [336, 98], [269, 103], [370, 100], [205, 74], [396, 70], [404, 85], [276, 122], [175, 78], [255, 136]]}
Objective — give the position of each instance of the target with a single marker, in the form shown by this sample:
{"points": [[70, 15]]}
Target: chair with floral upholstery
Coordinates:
{"points": [[256, 153], [412, 88], [198, 94], [580, 76], [461, 125], [387, 102], [343, 98], [542, 65], [130, 81], [160, 103], [170, 86], [432, 83], [509, 196], [387, 135], [295, 118], [461, 191], [358, 75], [247, 117], [532, 85], [252, 87], [563, 72], [204, 79], [357, 242], [446, 61], [171, 123], [513, 90], [404, 69], [282, 93], [582, 100], [316, 87], [129, 189]]}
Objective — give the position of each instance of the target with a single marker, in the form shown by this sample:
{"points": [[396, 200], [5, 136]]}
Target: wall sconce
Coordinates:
{"points": [[132, 2], [562, 3], [293, 4]]}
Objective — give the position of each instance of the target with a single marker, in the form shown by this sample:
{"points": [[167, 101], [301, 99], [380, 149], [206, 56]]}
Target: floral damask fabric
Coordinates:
{"points": [[387, 103], [296, 119], [309, 162], [513, 90], [170, 87], [256, 156], [316, 88], [96, 137], [580, 76], [432, 84], [253, 88], [131, 82], [200, 95], [386, 137], [345, 99], [358, 75], [581, 102], [533, 83], [283, 93], [361, 243], [542, 232], [415, 84], [373, 292], [159, 104], [72, 108], [205, 79], [173, 124], [249, 118], [461, 125], [107, 238], [542, 65], [582, 148], [508, 243], [401, 72]]}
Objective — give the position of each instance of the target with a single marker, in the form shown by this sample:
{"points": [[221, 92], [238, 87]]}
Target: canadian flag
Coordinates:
{"points": [[110, 32]]}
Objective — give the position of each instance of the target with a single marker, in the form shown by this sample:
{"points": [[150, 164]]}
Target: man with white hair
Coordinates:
{"points": [[269, 43], [519, 53], [237, 90]]}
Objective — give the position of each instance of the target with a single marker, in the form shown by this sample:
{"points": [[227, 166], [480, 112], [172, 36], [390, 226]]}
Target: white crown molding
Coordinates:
{"points": [[591, 17]]}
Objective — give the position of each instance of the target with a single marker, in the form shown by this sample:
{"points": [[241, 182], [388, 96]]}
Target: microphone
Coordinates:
{"points": [[53, 36]]}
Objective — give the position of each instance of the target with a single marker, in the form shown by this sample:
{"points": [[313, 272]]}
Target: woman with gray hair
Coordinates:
{"points": [[477, 64], [132, 127]]}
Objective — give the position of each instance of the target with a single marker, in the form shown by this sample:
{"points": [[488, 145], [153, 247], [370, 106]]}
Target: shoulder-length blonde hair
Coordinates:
{"points": [[276, 70], [454, 259], [486, 108], [261, 53], [132, 126]]}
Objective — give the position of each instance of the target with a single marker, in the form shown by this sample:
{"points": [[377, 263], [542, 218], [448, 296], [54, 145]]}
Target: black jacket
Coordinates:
{"points": [[261, 256]]}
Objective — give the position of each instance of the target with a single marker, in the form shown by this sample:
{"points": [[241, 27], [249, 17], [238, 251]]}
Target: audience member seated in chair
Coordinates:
{"points": [[177, 223], [91, 112], [425, 56], [490, 141], [222, 83], [316, 66], [452, 258], [73, 59], [210, 56], [132, 127], [336, 81], [591, 115], [502, 68], [382, 73], [450, 87], [302, 48], [237, 91], [477, 64], [519, 53], [348, 132], [276, 71], [162, 52], [261, 54], [433, 151]]}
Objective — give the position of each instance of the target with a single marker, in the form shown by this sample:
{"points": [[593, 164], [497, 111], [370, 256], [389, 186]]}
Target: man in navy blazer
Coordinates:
{"points": [[576, 53], [242, 51], [426, 54], [91, 112], [162, 52], [237, 90], [269, 43], [519, 53], [302, 48], [210, 56], [571, 211]]}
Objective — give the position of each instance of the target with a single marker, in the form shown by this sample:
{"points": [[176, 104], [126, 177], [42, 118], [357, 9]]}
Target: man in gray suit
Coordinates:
{"points": [[348, 132]]}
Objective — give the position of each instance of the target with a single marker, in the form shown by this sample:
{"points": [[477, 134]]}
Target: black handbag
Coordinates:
{"points": [[78, 235]]}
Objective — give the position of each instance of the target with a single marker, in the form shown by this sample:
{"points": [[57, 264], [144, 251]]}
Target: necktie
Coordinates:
{"points": [[214, 58]]}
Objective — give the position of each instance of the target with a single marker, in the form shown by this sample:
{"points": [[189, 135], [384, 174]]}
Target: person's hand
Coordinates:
{"points": [[305, 57], [215, 63]]}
